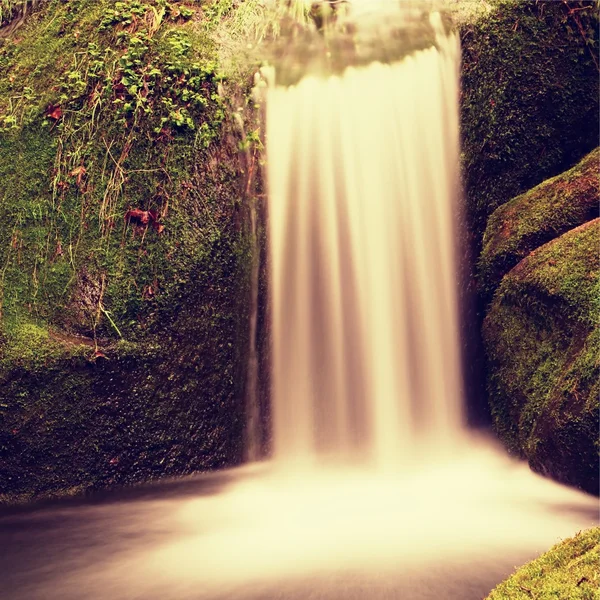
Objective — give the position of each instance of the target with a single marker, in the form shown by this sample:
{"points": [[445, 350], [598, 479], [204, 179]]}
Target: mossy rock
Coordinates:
{"points": [[76, 418], [529, 103], [569, 570], [542, 341], [538, 216], [124, 249]]}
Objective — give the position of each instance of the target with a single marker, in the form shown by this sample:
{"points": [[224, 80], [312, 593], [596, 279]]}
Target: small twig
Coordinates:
{"points": [[526, 590]]}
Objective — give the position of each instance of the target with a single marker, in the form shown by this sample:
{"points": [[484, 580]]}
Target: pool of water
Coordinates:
{"points": [[438, 529]]}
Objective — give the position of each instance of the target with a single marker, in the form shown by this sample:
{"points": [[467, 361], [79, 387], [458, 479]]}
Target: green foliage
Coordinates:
{"points": [[571, 569], [114, 133]]}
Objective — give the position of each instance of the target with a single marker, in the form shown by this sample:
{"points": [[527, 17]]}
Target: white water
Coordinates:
{"points": [[449, 530], [362, 181]]}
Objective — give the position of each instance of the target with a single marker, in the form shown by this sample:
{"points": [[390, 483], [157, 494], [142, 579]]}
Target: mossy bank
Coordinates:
{"points": [[124, 253], [529, 115], [542, 337], [539, 215], [571, 569]]}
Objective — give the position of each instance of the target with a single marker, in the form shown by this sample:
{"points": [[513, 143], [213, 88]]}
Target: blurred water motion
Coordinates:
{"points": [[362, 186], [444, 529]]}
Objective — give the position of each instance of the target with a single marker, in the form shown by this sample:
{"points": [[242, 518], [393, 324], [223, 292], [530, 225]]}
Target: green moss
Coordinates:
{"points": [[571, 569], [134, 116], [169, 404], [534, 218], [529, 105], [27, 344], [541, 337], [122, 111]]}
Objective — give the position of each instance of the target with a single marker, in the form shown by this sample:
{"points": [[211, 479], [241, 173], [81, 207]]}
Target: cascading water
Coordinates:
{"points": [[362, 182]]}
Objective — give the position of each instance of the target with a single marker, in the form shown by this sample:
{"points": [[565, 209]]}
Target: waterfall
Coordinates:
{"points": [[362, 200], [362, 218]]}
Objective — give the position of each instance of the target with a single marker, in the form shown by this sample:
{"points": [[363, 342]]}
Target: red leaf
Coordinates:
{"points": [[59, 250], [143, 218], [54, 111]]}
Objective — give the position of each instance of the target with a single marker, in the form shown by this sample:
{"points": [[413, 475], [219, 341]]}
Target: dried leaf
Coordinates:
{"points": [[54, 111], [79, 172]]}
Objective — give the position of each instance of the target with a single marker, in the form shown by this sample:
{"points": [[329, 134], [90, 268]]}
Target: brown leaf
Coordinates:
{"points": [[79, 172], [137, 216], [54, 111], [59, 250]]}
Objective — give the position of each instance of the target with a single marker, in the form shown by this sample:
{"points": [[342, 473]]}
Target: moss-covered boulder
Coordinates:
{"points": [[543, 341], [124, 250], [529, 104], [538, 216], [569, 570]]}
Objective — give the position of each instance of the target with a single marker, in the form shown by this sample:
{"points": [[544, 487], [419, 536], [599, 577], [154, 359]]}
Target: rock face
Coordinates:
{"points": [[529, 106], [542, 340], [124, 256], [529, 112], [538, 216]]}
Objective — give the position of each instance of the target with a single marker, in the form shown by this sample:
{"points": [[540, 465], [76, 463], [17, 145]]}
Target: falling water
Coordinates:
{"points": [[362, 220]]}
